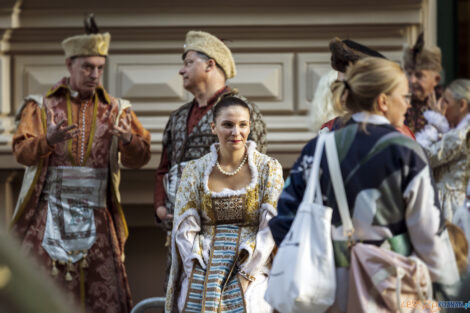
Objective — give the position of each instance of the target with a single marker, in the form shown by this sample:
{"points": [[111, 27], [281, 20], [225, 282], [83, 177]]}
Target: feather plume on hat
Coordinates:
{"points": [[90, 24], [420, 57], [418, 47]]}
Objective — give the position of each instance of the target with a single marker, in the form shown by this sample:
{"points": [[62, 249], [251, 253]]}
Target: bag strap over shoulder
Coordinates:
{"points": [[313, 191], [338, 185]]}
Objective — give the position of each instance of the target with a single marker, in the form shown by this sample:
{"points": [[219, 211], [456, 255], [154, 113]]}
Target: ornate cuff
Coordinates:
{"points": [[246, 276]]}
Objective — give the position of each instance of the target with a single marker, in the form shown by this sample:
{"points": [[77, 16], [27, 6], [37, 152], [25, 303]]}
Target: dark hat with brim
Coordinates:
{"points": [[346, 52]]}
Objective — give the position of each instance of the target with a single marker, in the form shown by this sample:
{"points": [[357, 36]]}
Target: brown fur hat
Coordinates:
{"points": [[214, 48], [346, 52], [87, 45], [426, 59], [90, 44], [420, 58]]}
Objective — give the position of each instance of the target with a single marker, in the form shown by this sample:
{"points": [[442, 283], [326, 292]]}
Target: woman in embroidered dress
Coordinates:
{"points": [[445, 139], [386, 179], [221, 243]]}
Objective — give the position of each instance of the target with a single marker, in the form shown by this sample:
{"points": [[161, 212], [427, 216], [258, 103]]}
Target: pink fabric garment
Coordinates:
{"points": [[374, 282]]}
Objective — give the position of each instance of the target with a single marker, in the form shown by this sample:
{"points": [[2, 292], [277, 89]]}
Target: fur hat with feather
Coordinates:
{"points": [[420, 57], [90, 44]]}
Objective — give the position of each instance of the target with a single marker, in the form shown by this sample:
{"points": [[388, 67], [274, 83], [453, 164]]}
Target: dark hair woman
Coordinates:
{"points": [[221, 243]]}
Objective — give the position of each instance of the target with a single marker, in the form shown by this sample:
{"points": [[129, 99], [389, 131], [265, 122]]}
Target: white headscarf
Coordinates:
{"points": [[321, 109]]}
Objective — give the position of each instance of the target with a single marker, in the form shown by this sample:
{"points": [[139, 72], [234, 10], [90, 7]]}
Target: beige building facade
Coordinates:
{"points": [[281, 51]]}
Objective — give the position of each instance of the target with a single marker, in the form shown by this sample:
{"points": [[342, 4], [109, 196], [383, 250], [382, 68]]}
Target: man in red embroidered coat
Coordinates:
{"points": [[68, 214]]}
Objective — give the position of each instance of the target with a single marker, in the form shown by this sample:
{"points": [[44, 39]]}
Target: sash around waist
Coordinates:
{"points": [[81, 185]]}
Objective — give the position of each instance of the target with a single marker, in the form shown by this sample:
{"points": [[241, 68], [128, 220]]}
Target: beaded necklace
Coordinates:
{"points": [[236, 170], [83, 155]]}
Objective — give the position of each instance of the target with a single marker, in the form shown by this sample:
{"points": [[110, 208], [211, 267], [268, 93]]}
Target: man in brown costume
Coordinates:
{"points": [[207, 64], [422, 65], [68, 213]]}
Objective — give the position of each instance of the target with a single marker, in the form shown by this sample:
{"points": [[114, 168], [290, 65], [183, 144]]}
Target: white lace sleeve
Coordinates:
{"points": [[436, 125], [186, 238], [187, 222], [450, 146], [264, 242]]}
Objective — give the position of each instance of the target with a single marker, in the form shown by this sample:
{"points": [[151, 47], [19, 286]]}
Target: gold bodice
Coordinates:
{"points": [[239, 210]]}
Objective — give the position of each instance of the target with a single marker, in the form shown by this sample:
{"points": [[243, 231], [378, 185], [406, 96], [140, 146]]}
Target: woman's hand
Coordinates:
{"points": [[436, 105], [162, 213]]}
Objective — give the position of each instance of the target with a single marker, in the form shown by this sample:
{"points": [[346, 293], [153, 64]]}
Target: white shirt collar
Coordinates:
{"points": [[370, 118]]}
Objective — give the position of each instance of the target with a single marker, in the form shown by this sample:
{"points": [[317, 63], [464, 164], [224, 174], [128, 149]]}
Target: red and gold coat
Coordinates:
{"points": [[101, 285]]}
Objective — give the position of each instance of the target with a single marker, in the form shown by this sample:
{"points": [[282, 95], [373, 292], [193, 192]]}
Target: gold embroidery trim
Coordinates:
{"points": [[189, 289], [121, 214], [234, 266], [35, 179], [230, 273], [69, 122], [92, 131], [229, 210]]}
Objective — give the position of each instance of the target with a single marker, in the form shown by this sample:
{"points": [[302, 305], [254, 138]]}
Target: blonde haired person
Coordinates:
{"points": [[221, 244], [344, 53], [386, 176]]}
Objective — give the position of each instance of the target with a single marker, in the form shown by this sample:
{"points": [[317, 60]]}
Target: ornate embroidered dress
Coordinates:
{"points": [[388, 187], [68, 213], [216, 234], [447, 150]]}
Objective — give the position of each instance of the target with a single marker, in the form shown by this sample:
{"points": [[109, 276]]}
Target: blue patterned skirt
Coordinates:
{"points": [[217, 288]]}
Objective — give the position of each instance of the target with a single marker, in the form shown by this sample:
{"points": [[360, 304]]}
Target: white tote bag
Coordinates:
{"points": [[302, 278]]}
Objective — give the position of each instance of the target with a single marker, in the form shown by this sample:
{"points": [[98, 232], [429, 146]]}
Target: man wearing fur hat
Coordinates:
{"points": [[422, 66], [68, 213], [207, 64]]}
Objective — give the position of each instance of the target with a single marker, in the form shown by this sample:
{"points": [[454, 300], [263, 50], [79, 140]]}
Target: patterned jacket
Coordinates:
{"points": [[390, 193]]}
